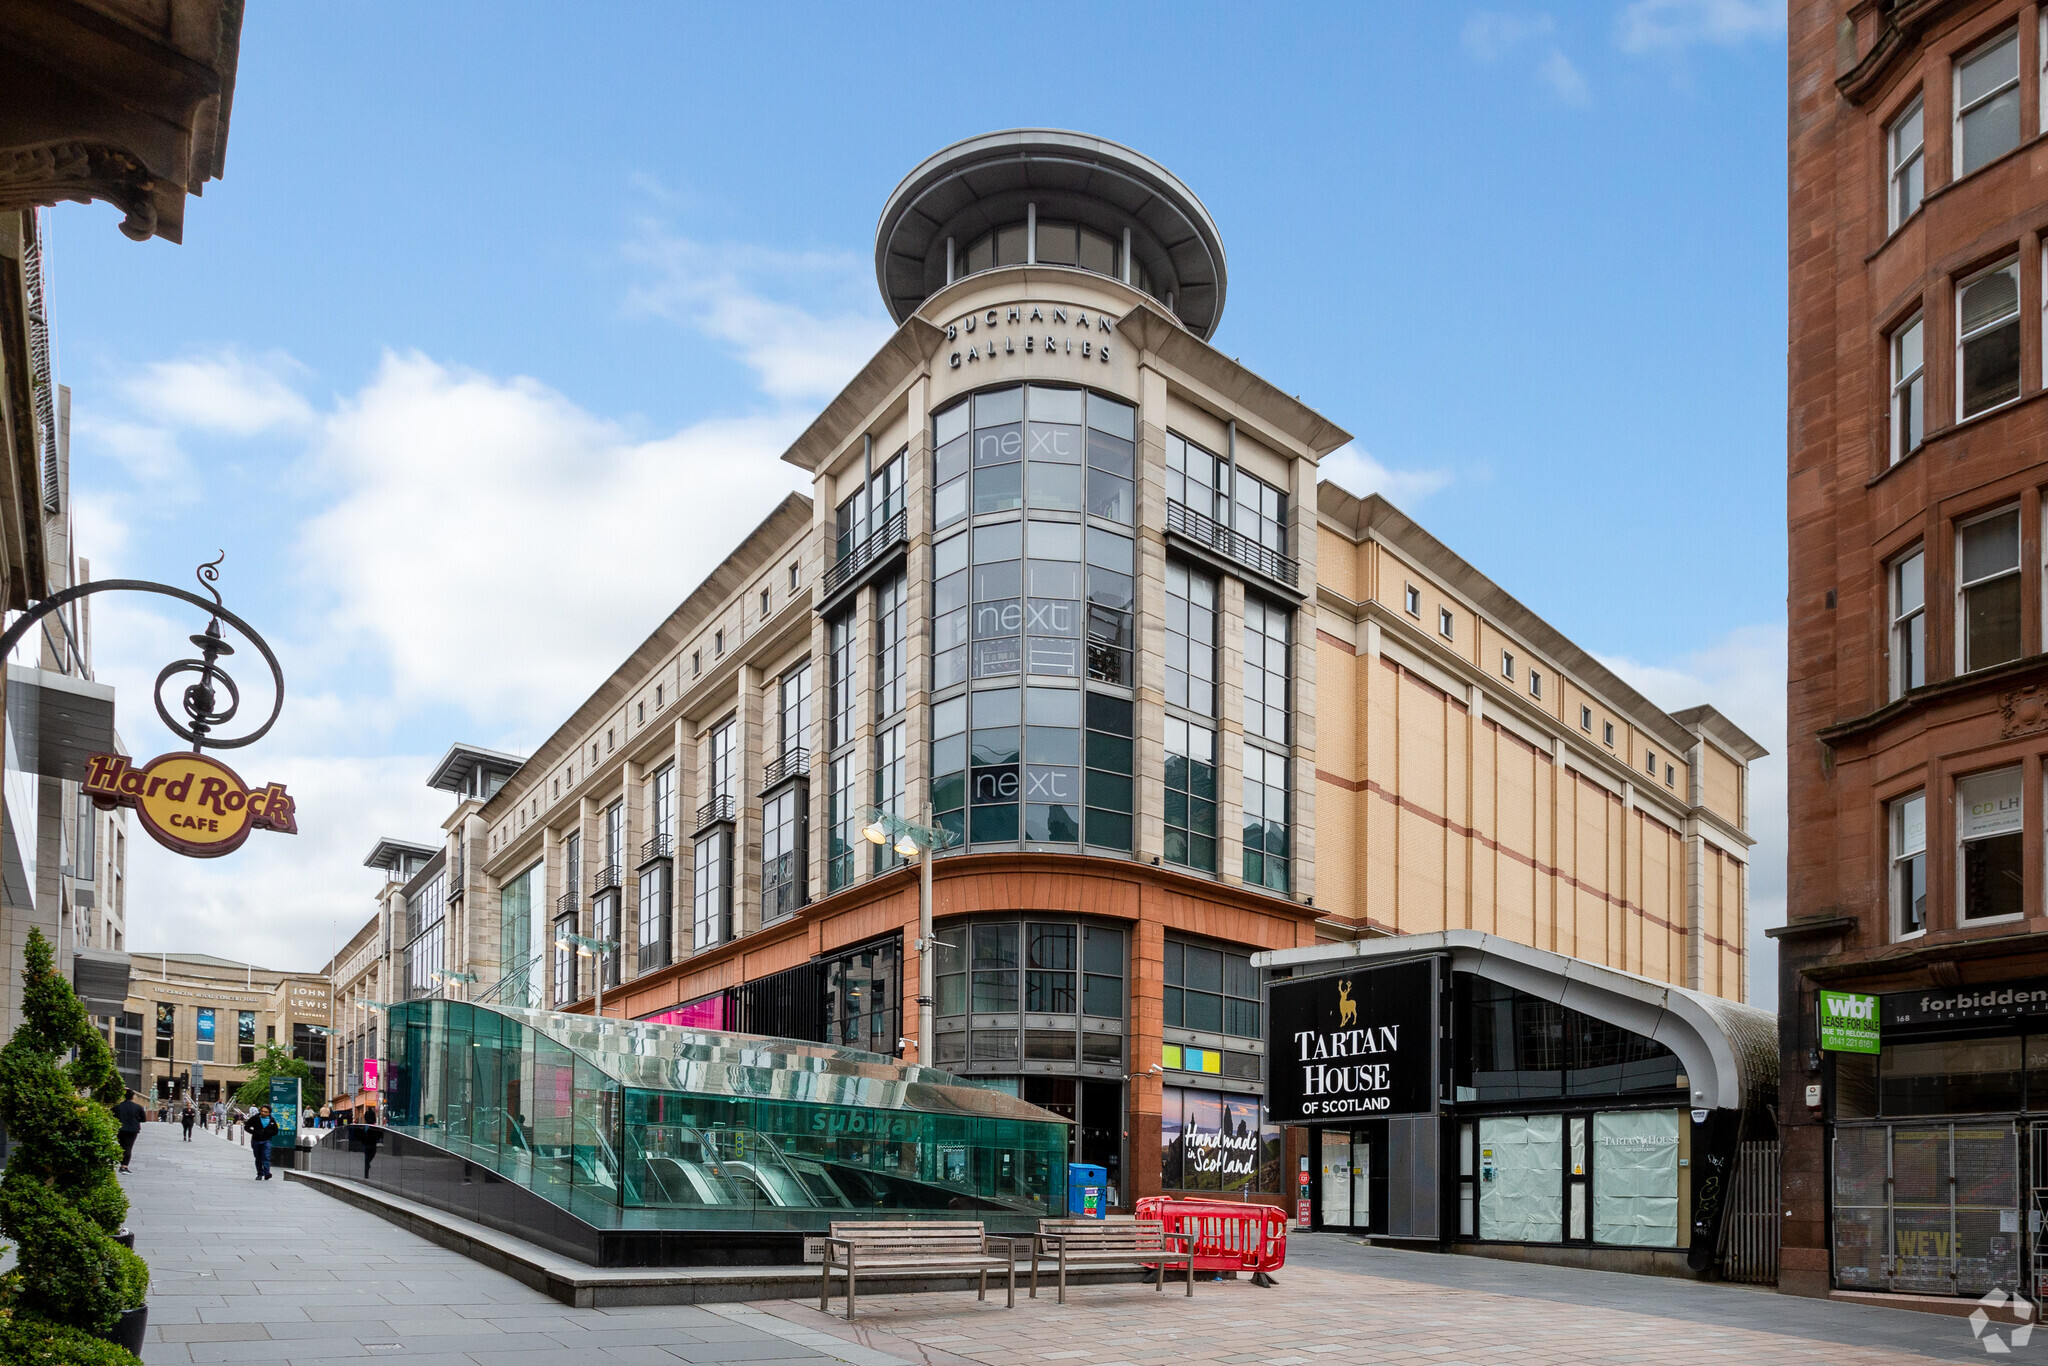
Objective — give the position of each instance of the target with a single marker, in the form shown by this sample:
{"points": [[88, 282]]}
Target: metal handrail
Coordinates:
{"points": [[608, 877], [718, 809], [661, 846], [1214, 535], [567, 902], [793, 763], [882, 538]]}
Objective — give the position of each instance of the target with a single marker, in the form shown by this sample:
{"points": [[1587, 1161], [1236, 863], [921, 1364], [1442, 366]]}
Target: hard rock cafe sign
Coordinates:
{"points": [[190, 803]]}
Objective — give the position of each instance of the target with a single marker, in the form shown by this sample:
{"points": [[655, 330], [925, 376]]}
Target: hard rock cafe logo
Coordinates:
{"points": [[190, 803], [1030, 329]]}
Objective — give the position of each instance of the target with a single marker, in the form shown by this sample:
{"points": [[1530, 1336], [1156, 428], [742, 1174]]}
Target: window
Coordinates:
{"points": [[764, 604], [656, 882], [795, 710], [1607, 727], [696, 667], [792, 578], [203, 1020], [1989, 869], [1507, 665], [245, 1036], [1586, 719], [712, 922], [1266, 635], [719, 775], [657, 697], [841, 692], [1988, 339], [1909, 865], [842, 824], [1190, 795], [1670, 775], [1261, 512], [1653, 763], [718, 643], [1988, 103], [1443, 622], [890, 599], [1210, 990], [565, 960], [1988, 564], [1904, 143], [783, 835], [862, 1005], [1190, 639], [1265, 819], [661, 802], [1535, 683], [1909, 622], [642, 718], [1412, 600], [1909, 380], [614, 828], [610, 740], [889, 787]]}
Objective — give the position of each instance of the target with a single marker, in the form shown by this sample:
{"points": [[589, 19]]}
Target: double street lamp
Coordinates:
{"points": [[445, 976], [911, 840], [586, 947]]}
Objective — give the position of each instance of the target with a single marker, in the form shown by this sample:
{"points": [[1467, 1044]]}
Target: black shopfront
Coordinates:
{"points": [[1444, 1106], [1938, 1154]]}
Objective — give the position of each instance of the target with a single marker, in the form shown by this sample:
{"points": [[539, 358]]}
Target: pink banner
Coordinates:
{"points": [[708, 1013], [370, 1070]]}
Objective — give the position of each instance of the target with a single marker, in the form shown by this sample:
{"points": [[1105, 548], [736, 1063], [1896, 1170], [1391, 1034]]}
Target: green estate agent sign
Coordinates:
{"points": [[1848, 1022], [284, 1108]]}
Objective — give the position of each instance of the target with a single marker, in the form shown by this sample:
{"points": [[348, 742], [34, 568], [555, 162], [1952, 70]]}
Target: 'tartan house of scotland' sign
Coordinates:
{"points": [[190, 803], [1352, 1044]]}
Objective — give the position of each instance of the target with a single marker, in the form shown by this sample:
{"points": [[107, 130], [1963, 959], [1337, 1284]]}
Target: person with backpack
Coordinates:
{"points": [[263, 1130], [130, 1116]]}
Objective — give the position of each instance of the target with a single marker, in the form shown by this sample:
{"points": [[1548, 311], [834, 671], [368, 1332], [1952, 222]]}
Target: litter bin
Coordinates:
{"points": [[1087, 1191]]}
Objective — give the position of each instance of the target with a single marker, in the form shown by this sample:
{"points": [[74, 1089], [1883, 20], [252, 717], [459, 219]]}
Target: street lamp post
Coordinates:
{"points": [[594, 949], [920, 842], [446, 976]]}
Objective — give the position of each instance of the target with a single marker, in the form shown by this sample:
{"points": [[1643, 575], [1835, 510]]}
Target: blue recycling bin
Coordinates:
{"points": [[1087, 1191]]}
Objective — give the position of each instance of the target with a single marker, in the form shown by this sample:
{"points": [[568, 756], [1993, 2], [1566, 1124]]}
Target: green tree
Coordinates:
{"points": [[274, 1061], [59, 1199]]}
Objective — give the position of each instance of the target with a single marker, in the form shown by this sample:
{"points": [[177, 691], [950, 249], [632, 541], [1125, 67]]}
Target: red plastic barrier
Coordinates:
{"points": [[1227, 1236]]}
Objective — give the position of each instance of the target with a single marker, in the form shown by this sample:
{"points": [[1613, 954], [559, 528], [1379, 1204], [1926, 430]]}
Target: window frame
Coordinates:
{"points": [[1912, 387], [1896, 855], [1957, 110], [1962, 588], [1507, 665], [1958, 845], [1411, 600], [1963, 340], [1900, 620], [1535, 683], [1444, 623], [1586, 719], [1896, 166]]}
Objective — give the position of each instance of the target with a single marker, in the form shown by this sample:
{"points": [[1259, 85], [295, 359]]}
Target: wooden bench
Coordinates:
{"points": [[861, 1246], [1118, 1241]]}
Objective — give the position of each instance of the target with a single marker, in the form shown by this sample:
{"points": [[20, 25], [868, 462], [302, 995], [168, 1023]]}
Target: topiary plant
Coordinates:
{"points": [[59, 1199]]}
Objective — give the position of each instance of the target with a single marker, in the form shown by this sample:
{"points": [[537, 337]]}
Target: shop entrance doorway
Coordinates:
{"points": [[1345, 1158]]}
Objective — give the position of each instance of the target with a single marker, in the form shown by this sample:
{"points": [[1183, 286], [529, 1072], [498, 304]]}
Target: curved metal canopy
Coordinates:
{"points": [[985, 182]]}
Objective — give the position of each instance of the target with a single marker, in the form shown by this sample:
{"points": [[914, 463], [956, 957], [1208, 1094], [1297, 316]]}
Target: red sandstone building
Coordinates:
{"points": [[1918, 721]]}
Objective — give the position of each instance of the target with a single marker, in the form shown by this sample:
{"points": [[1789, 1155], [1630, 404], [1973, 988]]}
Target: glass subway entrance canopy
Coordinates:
{"points": [[631, 1125]]}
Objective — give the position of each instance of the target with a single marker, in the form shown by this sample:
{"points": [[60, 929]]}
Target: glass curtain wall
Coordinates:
{"points": [[520, 967]]}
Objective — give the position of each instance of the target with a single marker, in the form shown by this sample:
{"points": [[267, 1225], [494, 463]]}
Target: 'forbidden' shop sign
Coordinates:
{"points": [[1352, 1044]]}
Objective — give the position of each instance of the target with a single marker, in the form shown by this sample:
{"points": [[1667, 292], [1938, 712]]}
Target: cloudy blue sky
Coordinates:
{"points": [[490, 337]]}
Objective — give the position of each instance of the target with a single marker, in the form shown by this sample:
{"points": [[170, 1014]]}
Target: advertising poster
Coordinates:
{"points": [[1358, 1043], [284, 1108], [371, 1068], [1848, 1022]]}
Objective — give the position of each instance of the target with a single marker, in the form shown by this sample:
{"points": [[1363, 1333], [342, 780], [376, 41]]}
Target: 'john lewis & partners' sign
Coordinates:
{"points": [[1359, 1043]]}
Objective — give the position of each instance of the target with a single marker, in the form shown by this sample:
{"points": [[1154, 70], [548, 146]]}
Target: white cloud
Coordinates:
{"points": [[149, 453], [1743, 676], [227, 393], [726, 292], [500, 548], [1673, 25], [1359, 473], [1564, 79], [1491, 37]]}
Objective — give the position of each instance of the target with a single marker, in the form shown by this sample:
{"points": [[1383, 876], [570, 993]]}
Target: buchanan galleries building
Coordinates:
{"points": [[1067, 588]]}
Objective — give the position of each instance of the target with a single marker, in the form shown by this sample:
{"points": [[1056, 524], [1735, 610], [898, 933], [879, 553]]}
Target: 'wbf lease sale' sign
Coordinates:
{"points": [[1352, 1044]]}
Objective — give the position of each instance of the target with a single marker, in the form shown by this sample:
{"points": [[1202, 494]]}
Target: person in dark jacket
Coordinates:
{"points": [[188, 1119], [262, 1131], [130, 1116]]}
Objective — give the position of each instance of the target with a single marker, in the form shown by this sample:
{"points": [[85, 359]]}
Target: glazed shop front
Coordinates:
{"points": [[1464, 1092], [1939, 1158]]}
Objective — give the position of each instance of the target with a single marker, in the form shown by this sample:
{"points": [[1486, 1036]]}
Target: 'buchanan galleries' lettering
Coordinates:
{"points": [[1319, 1078]]}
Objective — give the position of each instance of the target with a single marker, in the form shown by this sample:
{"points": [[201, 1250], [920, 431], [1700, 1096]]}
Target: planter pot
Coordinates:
{"points": [[129, 1331]]}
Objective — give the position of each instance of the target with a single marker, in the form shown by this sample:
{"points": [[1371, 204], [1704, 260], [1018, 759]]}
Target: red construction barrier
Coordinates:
{"points": [[1227, 1236]]}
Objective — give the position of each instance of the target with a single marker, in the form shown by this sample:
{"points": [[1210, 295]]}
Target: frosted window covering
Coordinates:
{"points": [[1990, 299], [1635, 1178], [1522, 1199]]}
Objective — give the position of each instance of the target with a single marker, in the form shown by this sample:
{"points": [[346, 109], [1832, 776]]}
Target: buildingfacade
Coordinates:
{"points": [[1067, 588], [1918, 203], [194, 1024]]}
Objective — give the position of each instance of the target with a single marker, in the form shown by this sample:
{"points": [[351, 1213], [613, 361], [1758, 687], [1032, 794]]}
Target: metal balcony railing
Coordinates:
{"points": [[894, 532], [455, 867], [660, 847], [567, 903], [609, 877], [793, 763], [1211, 534], [714, 811]]}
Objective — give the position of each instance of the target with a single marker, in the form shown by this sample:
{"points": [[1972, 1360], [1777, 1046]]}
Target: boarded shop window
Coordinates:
{"points": [[1635, 1178], [1521, 1193]]}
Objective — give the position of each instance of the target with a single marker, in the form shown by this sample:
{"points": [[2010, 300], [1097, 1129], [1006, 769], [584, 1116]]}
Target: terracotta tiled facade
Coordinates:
{"points": [[1905, 443]]}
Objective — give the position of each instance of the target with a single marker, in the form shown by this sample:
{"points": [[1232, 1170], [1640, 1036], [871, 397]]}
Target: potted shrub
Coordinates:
{"points": [[75, 1292]]}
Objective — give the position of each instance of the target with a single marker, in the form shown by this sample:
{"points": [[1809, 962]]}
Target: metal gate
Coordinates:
{"points": [[1932, 1208], [1751, 1226]]}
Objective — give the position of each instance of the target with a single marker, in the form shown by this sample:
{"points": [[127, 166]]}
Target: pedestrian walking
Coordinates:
{"points": [[262, 1131], [129, 1115], [188, 1119]]}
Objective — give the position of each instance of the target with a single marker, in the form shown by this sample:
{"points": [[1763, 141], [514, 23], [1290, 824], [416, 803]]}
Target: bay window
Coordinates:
{"points": [[1988, 339], [1909, 622], [1988, 579], [1904, 143], [1909, 394], [1989, 866], [1909, 865], [1987, 99]]}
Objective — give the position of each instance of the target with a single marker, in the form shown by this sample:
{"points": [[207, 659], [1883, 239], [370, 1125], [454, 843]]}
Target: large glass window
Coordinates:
{"points": [[1987, 85], [1197, 479], [1989, 865], [1908, 172], [842, 824], [712, 922], [1261, 512], [204, 1019], [840, 677], [1909, 390], [521, 967], [1988, 339], [565, 960], [890, 598], [722, 749], [655, 895], [1265, 819], [842, 818], [1266, 659], [1909, 622], [1909, 865], [1058, 244], [795, 709], [425, 949], [615, 837], [1190, 795], [661, 802], [1521, 1047], [1988, 578], [1111, 731], [782, 852], [889, 787], [1210, 990], [1057, 986], [1190, 639], [863, 1008]]}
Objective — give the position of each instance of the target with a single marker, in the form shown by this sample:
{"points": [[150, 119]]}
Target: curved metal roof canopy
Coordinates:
{"points": [[1729, 1050], [985, 182]]}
